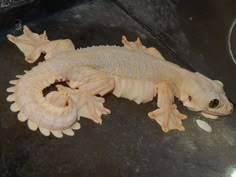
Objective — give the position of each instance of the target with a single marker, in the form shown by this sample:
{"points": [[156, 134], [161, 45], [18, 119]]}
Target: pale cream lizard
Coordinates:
{"points": [[133, 72]]}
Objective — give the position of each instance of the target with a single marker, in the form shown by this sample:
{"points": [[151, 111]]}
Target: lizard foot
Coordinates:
{"points": [[137, 45], [28, 43], [168, 119], [93, 108], [89, 106]]}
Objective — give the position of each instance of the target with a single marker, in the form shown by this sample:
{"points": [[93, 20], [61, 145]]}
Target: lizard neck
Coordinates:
{"points": [[183, 79], [185, 83]]}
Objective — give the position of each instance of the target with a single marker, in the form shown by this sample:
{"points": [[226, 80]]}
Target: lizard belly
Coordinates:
{"points": [[140, 91]]}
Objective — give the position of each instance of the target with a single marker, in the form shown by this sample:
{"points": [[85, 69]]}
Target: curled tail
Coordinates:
{"points": [[37, 110]]}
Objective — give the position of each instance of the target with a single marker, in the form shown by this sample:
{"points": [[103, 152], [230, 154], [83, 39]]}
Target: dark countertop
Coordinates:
{"points": [[128, 143]]}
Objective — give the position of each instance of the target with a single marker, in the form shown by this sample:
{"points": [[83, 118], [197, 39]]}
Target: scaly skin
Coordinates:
{"points": [[133, 72]]}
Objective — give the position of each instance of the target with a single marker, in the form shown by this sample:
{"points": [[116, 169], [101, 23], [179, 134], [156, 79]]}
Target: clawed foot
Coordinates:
{"points": [[28, 43], [89, 106], [168, 119], [92, 108], [137, 45]]}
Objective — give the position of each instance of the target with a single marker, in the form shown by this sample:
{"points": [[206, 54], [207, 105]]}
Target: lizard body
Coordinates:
{"points": [[133, 72]]}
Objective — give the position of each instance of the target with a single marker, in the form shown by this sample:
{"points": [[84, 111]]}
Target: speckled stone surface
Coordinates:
{"points": [[128, 143]]}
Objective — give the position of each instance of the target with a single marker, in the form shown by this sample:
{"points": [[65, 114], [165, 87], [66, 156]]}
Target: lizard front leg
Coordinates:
{"points": [[167, 115]]}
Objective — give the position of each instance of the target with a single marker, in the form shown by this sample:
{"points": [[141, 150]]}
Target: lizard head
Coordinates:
{"points": [[205, 95]]}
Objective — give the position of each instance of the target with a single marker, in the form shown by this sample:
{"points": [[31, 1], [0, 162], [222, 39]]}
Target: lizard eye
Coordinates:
{"points": [[190, 98], [214, 103]]}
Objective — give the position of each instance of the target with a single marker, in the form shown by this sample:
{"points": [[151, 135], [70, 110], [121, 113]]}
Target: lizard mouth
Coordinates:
{"points": [[214, 115], [220, 112], [210, 115]]}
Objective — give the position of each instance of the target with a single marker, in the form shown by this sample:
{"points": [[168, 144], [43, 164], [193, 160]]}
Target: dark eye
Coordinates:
{"points": [[214, 103], [190, 98]]}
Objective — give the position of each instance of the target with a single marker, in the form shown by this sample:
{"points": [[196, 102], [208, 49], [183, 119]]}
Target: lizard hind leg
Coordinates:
{"points": [[89, 105], [33, 44], [85, 84], [138, 46], [28, 43]]}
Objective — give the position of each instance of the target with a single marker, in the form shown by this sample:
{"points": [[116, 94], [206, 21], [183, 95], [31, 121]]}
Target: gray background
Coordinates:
{"points": [[192, 34]]}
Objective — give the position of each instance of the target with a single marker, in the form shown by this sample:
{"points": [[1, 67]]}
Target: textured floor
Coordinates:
{"points": [[128, 143]]}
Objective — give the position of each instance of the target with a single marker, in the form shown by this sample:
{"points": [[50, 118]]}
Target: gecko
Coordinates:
{"points": [[132, 71]]}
